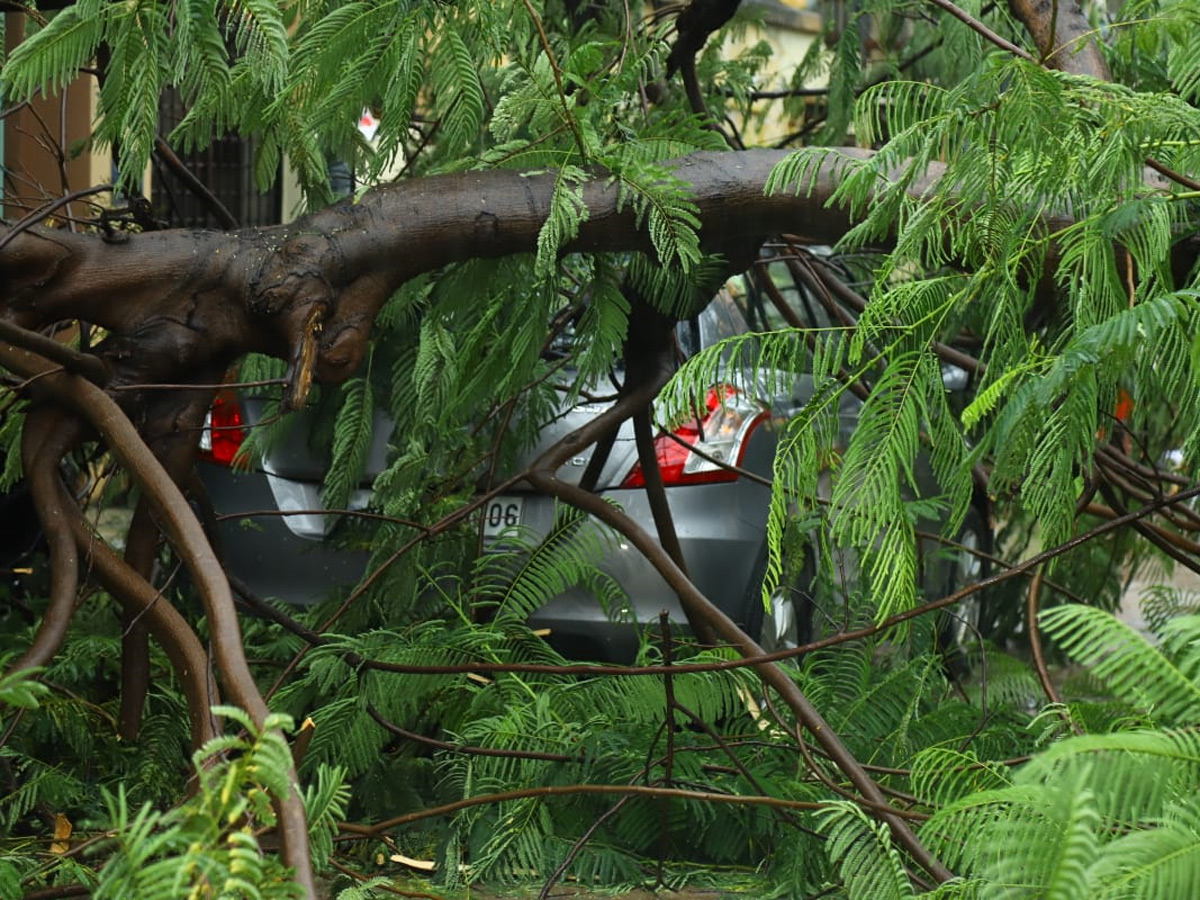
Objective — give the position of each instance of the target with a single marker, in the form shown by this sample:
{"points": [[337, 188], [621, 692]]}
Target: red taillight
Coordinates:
{"points": [[223, 431], [721, 436]]}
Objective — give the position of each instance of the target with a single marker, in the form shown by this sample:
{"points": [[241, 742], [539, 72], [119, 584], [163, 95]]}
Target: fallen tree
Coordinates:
{"points": [[178, 308]]}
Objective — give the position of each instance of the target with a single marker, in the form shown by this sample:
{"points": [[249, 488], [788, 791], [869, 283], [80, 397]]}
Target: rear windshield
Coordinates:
{"points": [[760, 309]]}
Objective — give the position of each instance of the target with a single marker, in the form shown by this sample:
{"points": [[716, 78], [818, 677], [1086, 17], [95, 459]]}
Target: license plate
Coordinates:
{"points": [[500, 514]]}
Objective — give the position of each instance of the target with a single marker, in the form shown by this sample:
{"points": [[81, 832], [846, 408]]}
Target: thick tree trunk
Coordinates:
{"points": [[181, 305], [184, 298]]}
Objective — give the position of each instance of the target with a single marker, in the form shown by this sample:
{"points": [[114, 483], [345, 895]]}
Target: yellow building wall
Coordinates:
{"points": [[47, 152]]}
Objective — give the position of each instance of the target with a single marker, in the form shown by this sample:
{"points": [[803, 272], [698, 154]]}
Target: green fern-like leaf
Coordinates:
{"points": [[260, 37], [1156, 863], [138, 70], [567, 212], [524, 578], [1133, 667], [458, 94], [21, 689], [660, 200], [352, 435], [870, 866], [202, 68], [54, 55], [325, 804]]}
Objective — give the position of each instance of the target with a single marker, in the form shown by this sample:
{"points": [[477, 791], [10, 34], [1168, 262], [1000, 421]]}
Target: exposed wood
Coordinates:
{"points": [[182, 305], [1063, 35]]}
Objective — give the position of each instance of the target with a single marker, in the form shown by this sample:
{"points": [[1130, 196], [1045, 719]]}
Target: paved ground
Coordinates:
{"points": [[1131, 607]]}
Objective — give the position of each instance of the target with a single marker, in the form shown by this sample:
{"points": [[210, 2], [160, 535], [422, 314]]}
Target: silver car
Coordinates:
{"points": [[719, 514]]}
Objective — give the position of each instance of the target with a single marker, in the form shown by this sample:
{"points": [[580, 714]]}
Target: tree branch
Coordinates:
{"points": [[180, 525], [1063, 35], [49, 434], [979, 28], [703, 610]]}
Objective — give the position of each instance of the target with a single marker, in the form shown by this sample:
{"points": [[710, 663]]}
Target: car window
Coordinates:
{"points": [[721, 319], [760, 310]]}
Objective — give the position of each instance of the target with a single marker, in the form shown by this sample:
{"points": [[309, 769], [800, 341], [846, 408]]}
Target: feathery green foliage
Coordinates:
{"points": [[469, 361], [351, 441], [870, 866], [1161, 680], [1102, 814], [208, 841]]}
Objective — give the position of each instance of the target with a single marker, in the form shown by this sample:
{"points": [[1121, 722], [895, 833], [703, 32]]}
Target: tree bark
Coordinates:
{"points": [[182, 305], [1063, 35]]}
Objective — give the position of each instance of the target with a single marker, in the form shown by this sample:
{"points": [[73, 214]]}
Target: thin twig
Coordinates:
{"points": [[558, 80], [664, 624], [175, 165], [90, 367], [466, 749], [1179, 178], [1032, 602], [981, 29], [571, 790], [29, 219]]}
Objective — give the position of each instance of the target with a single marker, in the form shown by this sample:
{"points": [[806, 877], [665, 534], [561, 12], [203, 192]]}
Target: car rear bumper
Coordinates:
{"points": [[294, 564], [720, 529]]}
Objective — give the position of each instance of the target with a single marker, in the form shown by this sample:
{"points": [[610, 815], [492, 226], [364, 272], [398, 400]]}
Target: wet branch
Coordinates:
{"points": [[49, 434], [177, 521]]}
